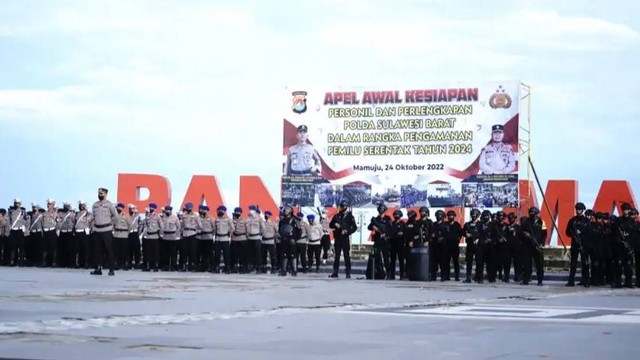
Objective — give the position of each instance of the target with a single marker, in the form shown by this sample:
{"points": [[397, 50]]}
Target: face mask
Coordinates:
{"points": [[252, 212], [131, 213], [220, 213], [151, 211], [396, 217], [119, 211], [100, 197], [235, 216], [267, 217], [167, 213]]}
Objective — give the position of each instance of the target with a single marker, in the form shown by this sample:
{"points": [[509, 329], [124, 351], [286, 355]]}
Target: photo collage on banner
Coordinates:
{"points": [[443, 145]]}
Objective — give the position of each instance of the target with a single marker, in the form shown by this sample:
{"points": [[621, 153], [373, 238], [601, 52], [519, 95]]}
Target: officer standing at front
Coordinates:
{"points": [[437, 248], [302, 242], [269, 234], [534, 234], [223, 227], [344, 225], [289, 230], [104, 216], [152, 231], [314, 234], [171, 231], [35, 234], [381, 227], [513, 254], [239, 242], [578, 230], [18, 224], [254, 226], [622, 249], [4, 230]]}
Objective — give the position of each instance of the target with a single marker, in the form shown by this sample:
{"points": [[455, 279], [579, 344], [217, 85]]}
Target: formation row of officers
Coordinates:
{"points": [[119, 237], [606, 245]]}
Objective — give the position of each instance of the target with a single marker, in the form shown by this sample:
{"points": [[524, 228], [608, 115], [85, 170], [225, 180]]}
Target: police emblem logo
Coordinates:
{"points": [[500, 99], [299, 102]]}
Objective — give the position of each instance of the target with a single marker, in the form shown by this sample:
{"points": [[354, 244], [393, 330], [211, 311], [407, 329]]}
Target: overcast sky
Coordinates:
{"points": [[89, 89]]}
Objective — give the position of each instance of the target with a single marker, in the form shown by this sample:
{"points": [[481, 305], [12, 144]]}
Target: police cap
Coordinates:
{"points": [[497, 128], [302, 128]]}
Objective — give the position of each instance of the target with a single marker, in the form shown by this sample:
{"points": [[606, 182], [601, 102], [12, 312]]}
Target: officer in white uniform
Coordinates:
{"points": [[302, 158], [497, 157]]}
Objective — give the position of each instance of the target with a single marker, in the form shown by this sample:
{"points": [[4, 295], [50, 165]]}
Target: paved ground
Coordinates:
{"points": [[68, 314]]}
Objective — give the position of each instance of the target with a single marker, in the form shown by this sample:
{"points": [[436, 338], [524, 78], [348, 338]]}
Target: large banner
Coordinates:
{"points": [[437, 145]]}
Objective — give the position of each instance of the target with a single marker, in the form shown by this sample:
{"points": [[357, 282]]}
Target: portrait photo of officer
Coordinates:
{"points": [[497, 157], [302, 158]]}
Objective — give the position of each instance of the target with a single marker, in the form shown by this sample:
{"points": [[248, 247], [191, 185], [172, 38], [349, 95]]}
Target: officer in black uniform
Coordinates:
{"points": [[513, 253], [471, 238], [425, 236], [381, 226], [485, 241], [452, 247], [289, 230], [623, 251], [343, 224], [397, 250], [578, 230], [501, 246], [437, 248], [534, 234], [411, 237], [635, 240]]}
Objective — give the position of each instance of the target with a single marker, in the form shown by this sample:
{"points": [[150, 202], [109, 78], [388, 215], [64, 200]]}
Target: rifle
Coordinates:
{"points": [[531, 235], [623, 236], [501, 237]]}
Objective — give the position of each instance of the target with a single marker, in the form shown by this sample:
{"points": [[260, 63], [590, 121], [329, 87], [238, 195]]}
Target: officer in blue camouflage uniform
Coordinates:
{"points": [[302, 158], [497, 157]]}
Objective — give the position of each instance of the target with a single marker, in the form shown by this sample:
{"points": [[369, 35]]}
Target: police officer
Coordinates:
{"points": [[223, 227], [397, 245], [344, 225], [635, 239], [381, 227], [135, 231], [412, 237], [325, 242], [471, 238], [49, 235], [485, 239], [4, 231], [18, 224], [269, 234], [35, 235], [578, 230], [171, 230], [189, 225], [289, 230], [512, 253], [239, 243], [497, 157], [302, 158], [302, 241], [623, 251], [314, 233], [255, 227], [437, 248], [121, 236], [534, 234], [152, 231], [104, 216], [452, 247], [83, 220]]}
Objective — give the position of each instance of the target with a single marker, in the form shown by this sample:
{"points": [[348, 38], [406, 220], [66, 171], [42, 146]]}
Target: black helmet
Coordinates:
{"points": [[343, 203], [500, 214], [589, 213], [3, 211], [486, 214], [411, 213], [580, 206], [633, 212], [475, 213], [511, 216], [625, 207], [382, 208], [451, 213], [533, 211], [397, 214], [440, 214], [424, 209]]}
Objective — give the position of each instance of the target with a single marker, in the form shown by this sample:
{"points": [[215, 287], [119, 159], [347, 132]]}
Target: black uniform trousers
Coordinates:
{"points": [[34, 255], [341, 245], [121, 251], [511, 255], [239, 255], [134, 249], [205, 254], [469, 255], [301, 252], [396, 252], [452, 254], [84, 249], [585, 252], [222, 248], [16, 247], [530, 256], [103, 250], [254, 254], [325, 242], [622, 259], [151, 254], [50, 248], [436, 260], [313, 253], [289, 255], [491, 260], [170, 255], [189, 253]]}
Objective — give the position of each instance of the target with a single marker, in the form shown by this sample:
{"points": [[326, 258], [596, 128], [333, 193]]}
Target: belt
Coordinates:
{"points": [[122, 229], [206, 232], [80, 231], [314, 240], [190, 229], [102, 226], [271, 238], [153, 233], [17, 229], [258, 234], [49, 229], [302, 238], [66, 231], [237, 234], [227, 234], [133, 231], [169, 232]]}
